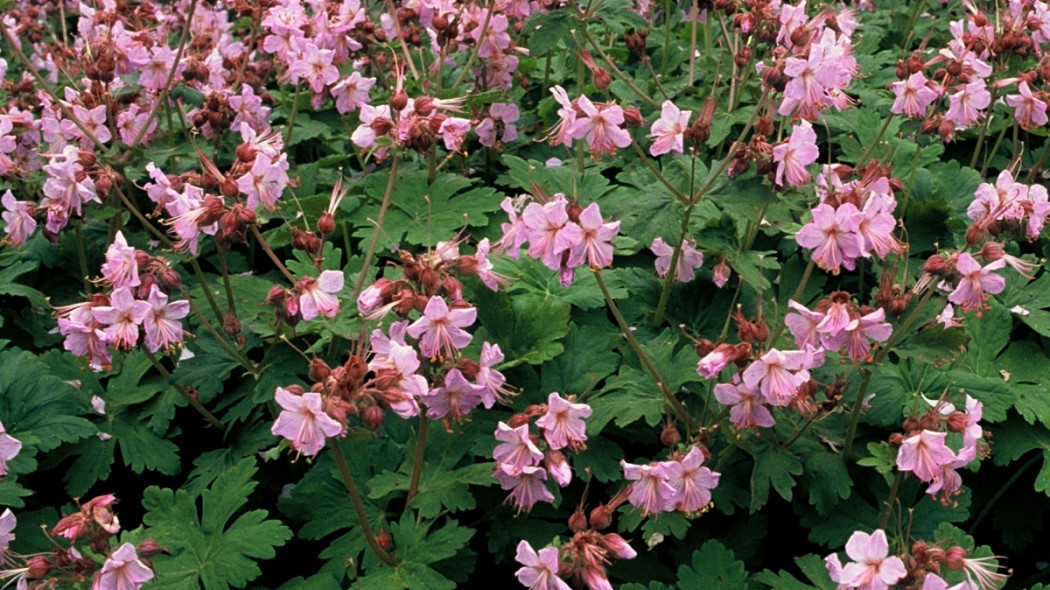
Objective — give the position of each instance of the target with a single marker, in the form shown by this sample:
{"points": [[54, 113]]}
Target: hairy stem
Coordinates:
{"points": [[192, 399], [417, 460], [359, 506], [163, 98], [887, 508], [371, 249], [269, 252], [672, 402]]}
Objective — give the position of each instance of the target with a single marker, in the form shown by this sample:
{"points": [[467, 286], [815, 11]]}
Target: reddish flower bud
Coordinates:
{"points": [[326, 224], [578, 521], [319, 370], [670, 436], [631, 116], [373, 416], [601, 517]]}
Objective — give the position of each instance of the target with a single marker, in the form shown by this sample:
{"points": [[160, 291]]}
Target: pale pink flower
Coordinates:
{"points": [[517, 450], [499, 125], [965, 106], [20, 224], [793, 156], [318, 295], [668, 131], [652, 492], [123, 570], [492, 380], [832, 237], [440, 330], [747, 411], [455, 399], [540, 571], [7, 525], [265, 182], [689, 259], [692, 482], [549, 231], [925, 455], [914, 96], [351, 93], [121, 269], [595, 243], [122, 318], [303, 421], [601, 127], [778, 375], [559, 134], [975, 281], [872, 568], [563, 423], [1028, 109], [526, 487], [9, 448], [315, 65], [161, 325]]}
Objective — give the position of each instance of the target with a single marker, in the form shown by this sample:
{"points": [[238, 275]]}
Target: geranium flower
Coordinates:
{"points": [[793, 156], [123, 570], [668, 131], [975, 281], [563, 423], [161, 325], [440, 330], [872, 568], [9, 448], [303, 421], [601, 127], [540, 571]]}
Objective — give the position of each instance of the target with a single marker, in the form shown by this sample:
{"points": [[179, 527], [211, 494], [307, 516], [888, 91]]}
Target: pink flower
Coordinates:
{"points": [[925, 455], [793, 157], [540, 571], [9, 448], [499, 125], [601, 127], [975, 281], [20, 223], [689, 260], [492, 380], [440, 330], [668, 131], [318, 295], [831, 236], [778, 375], [122, 318], [351, 93], [595, 244], [965, 105], [161, 325], [914, 96], [748, 411], [560, 133], [526, 487], [1028, 109], [455, 399], [856, 336], [315, 65], [563, 423], [123, 570], [549, 231], [517, 451], [121, 269], [303, 421], [7, 524], [652, 492], [872, 567], [265, 182], [691, 482]]}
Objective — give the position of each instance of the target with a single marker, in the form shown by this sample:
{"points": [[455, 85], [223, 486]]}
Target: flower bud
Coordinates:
{"points": [[670, 436], [37, 566], [326, 224], [957, 421], [149, 548], [601, 517], [602, 79], [319, 370], [373, 416], [384, 538], [578, 521], [631, 116], [399, 101]]}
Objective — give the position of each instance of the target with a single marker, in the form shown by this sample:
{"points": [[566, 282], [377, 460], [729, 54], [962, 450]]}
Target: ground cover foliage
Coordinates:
{"points": [[330, 294]]}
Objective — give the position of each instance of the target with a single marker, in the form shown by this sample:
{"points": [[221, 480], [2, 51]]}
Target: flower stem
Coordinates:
{"points": [[240, 358], [417, 460], [291, 115], [163, 98], [801, 288], [854, 418], [192, 399], [226, 280], [269, 252], [359, 506], [82, 258], [875, 142], [619, 73], [672, 402], [370, 251], [672, 270], [476, 47], [887, 508]]}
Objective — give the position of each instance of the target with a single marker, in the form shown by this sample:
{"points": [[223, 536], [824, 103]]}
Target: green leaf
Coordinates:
{"points": [[714, 568], [828, 480], [527, 328], [774, 467], [209, 550], [37, 407], [8, 286]]}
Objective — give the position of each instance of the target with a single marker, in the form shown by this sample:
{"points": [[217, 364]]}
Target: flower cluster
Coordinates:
{"points": [[562, 234], [838, 324], [679, 483], [521, 465], [923, 567], [924, 448], [139, 288]]}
